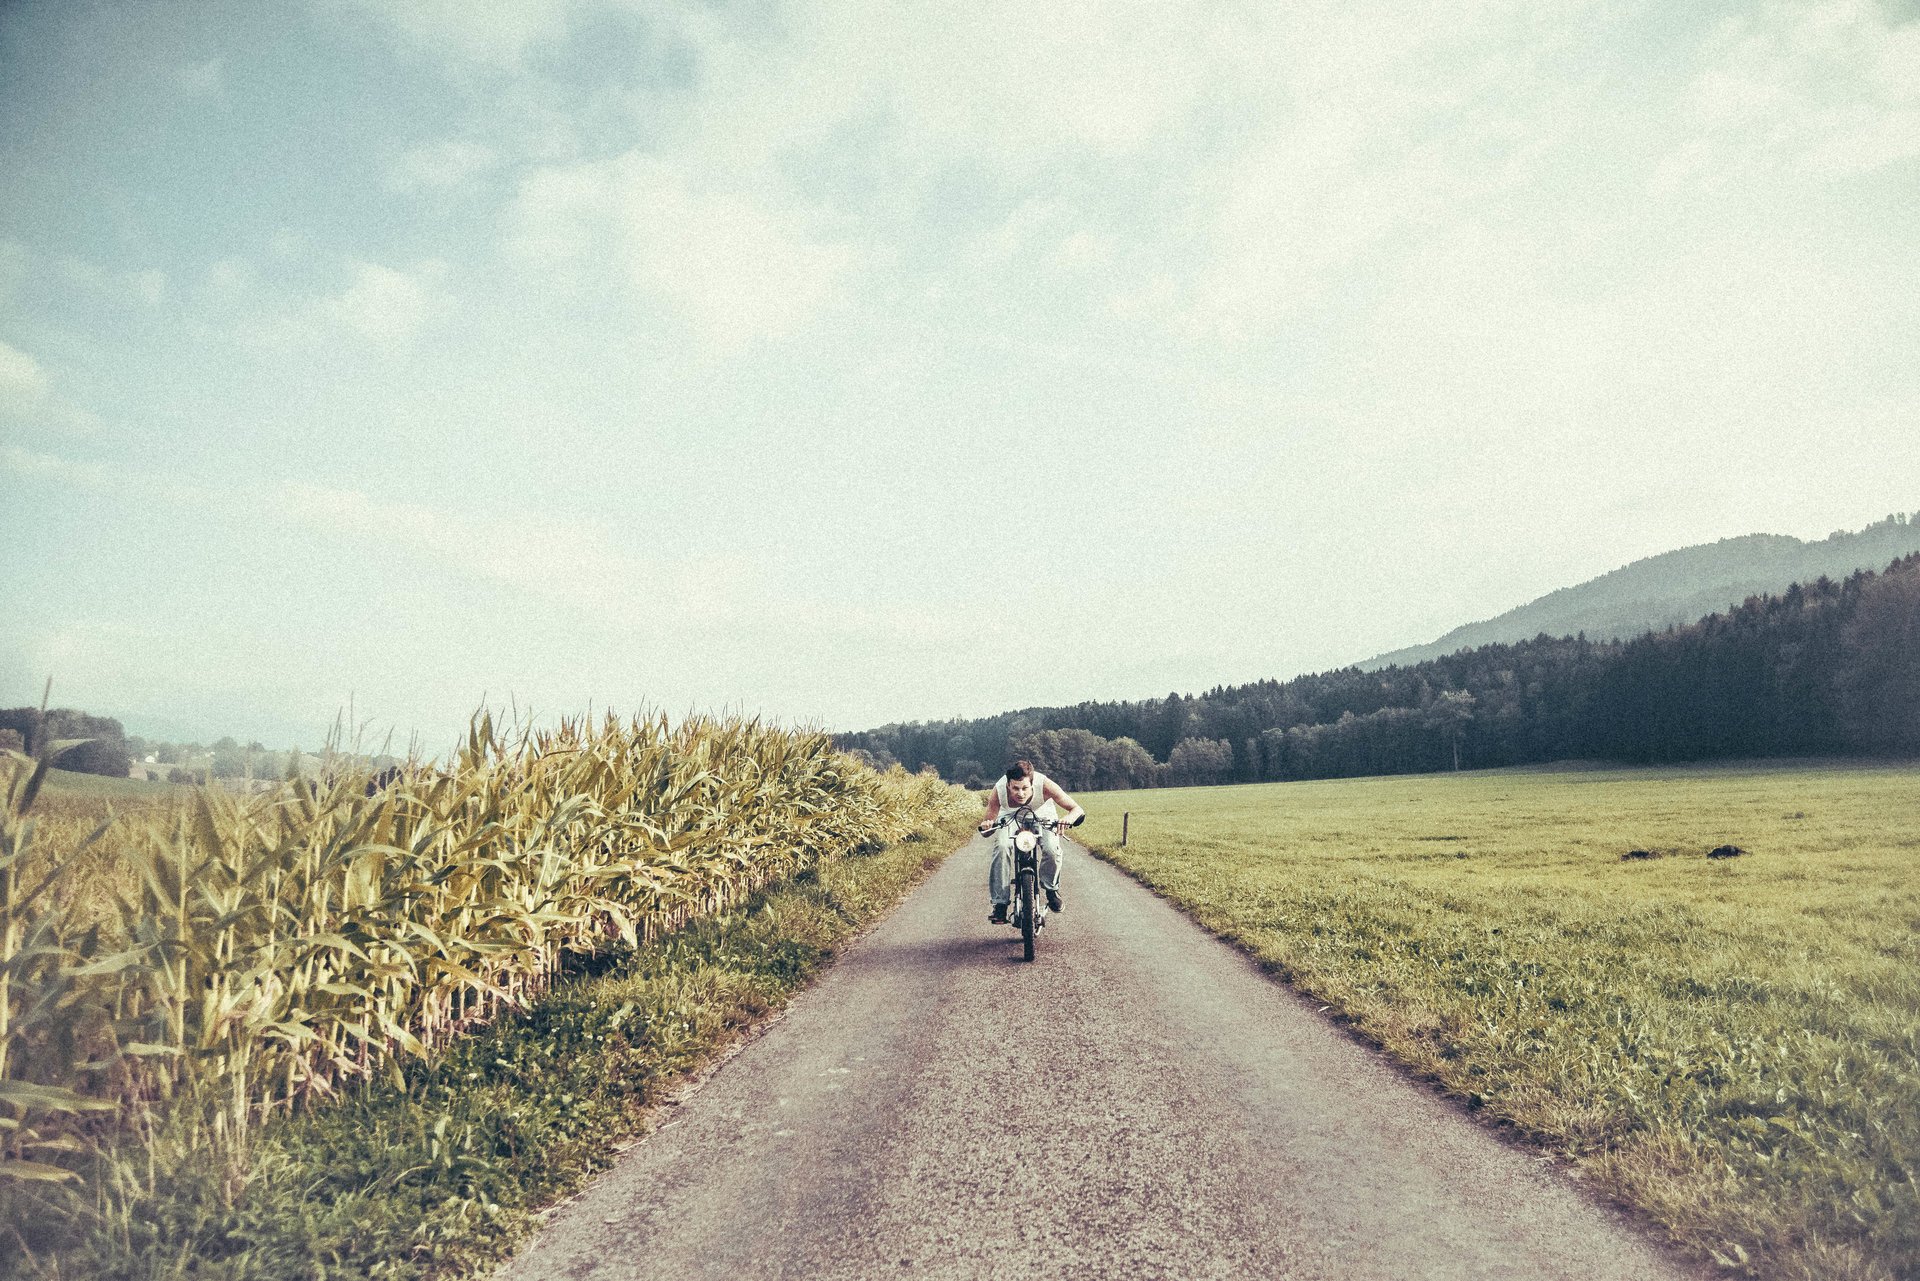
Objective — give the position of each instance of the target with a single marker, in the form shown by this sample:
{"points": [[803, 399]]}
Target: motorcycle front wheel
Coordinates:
{"points": [[1026, 913]]}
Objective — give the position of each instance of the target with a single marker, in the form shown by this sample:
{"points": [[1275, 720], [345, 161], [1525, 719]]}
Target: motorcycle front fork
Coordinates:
{"points": [[1027, 863]]}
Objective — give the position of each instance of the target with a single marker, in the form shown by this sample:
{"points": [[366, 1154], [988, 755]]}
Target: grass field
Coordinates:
{"points": [[1731, 1045], [66, 782]]}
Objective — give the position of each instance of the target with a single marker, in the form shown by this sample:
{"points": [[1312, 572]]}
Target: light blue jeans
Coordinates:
{"points": [[1000, 871]]}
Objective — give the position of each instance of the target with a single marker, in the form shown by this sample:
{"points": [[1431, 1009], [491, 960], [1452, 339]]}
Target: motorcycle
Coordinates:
{"points": [[1027, 913]]}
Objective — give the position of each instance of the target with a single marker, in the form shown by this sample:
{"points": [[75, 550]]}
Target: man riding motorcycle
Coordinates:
{"points": [[1023, 785]]}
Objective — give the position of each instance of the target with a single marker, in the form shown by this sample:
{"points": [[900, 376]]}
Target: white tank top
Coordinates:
{"points": [[1044, 808]]}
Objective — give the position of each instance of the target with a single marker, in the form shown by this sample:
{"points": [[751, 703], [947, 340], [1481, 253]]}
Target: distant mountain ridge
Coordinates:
{"points": [[1677, 587]]}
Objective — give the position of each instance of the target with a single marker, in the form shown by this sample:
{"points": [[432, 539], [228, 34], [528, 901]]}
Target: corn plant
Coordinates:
{"points": [[262, 952]]}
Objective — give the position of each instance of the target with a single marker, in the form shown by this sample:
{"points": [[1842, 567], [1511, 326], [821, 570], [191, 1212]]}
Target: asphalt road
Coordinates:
{"points": [[1138, 1102]]}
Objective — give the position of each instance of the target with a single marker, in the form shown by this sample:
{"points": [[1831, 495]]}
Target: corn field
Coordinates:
{"points": [[249, 955]]}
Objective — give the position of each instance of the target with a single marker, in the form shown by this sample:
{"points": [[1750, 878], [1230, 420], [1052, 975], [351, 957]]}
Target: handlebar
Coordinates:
{"points": [[1049, 824]]}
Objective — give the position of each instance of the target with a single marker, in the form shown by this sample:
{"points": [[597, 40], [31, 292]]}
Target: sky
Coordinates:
{"points": [[846, 363]]}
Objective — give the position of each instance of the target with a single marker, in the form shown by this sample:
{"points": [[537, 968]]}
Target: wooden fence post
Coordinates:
{"points": [[1124, 816]]}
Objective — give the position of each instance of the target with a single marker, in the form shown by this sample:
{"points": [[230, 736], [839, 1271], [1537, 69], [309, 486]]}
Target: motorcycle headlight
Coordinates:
{"points": [[1025, 841]]}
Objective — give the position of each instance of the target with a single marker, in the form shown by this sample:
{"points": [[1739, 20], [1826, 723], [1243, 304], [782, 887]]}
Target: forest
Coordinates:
{"points": [[1828, 667]]}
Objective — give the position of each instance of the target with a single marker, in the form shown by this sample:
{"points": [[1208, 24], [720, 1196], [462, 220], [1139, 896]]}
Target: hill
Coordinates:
{"points": [[1677, 587]]}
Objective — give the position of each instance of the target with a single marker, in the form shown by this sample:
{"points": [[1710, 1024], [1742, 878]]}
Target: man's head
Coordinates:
{"points": [[1020, 782]]}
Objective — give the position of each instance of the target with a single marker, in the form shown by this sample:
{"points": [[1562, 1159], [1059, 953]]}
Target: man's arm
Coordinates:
{"points": [[993, 809], [1069, 808]]}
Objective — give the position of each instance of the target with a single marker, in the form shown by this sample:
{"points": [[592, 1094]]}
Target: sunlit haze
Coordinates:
{"points": [[848, 363]]}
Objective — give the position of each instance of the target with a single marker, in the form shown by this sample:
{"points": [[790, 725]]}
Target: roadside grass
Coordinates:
{"points": [[1733, 1046], [439, 1175]]}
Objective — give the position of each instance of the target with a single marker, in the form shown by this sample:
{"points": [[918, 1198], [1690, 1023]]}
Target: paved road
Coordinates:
{"points": [[1139, 1102]]}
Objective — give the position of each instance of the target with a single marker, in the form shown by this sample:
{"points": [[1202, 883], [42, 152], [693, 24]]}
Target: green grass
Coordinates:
{"points": [[1732, 1046], [66, 782], [439, 1176]]}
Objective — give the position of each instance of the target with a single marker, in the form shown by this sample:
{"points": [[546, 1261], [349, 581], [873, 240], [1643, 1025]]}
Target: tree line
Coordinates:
{"points": [[1828, 667], [103, 751], [101, 745]]}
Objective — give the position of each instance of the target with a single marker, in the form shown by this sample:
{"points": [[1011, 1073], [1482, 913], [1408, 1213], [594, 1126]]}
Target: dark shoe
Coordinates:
{"points": [[1053, 901], [998, 916]]}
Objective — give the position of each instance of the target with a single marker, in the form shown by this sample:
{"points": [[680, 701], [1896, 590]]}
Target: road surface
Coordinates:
{"points": [[1138, 1102]]}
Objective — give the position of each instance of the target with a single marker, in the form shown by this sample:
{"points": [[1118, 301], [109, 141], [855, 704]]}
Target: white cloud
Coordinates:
{"points": [[145, 287], [581, 567], [125, 287], [1374, 123], [559, 216], [14, 259], [441, 165], [27, 462], [1705, 386], [289, 244], [98, 477], [565, 562], [202, 79], [734, 269], [1002, 78], [385, 304], [1019, 81], [497, 33], [28, 396], [377, 304], [1828, 89], [571, 569], [21, 377]]}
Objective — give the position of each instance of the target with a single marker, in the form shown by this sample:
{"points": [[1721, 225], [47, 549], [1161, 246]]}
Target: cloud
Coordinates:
{"points": [[499, 33], [202, 79], [565, 562], [579, 567], [143, 287], [1828, 90], [1376, 126], [14, 260], [28, 396], [582, 567], [91, 476], [27, 462], [1003, 77], [377, 304], [441, 165], [384, 304], [147, 288], [1019, 81], [21, 377], [734, 269], [1001, 88], [571, 563]]}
